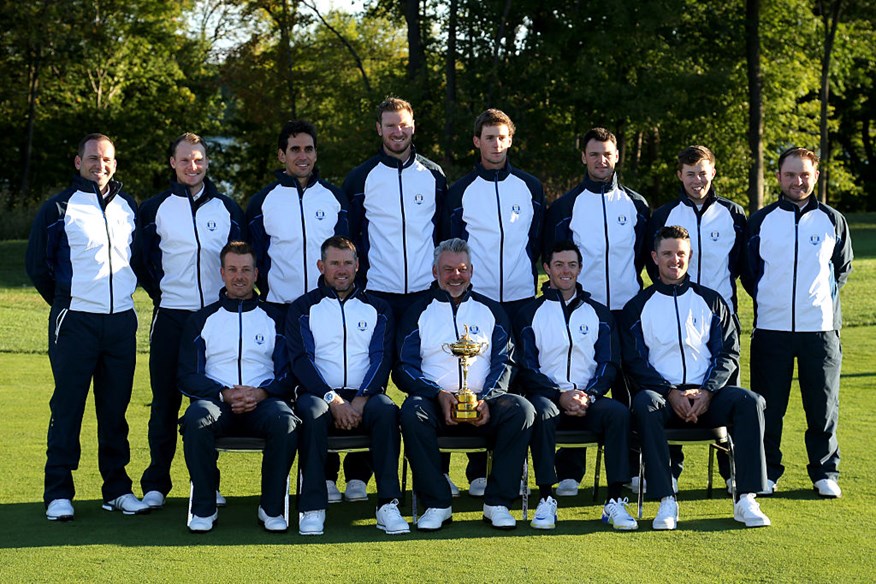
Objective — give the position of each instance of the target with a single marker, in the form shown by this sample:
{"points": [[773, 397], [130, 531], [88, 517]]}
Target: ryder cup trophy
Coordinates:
{"points": [[465, 349]]}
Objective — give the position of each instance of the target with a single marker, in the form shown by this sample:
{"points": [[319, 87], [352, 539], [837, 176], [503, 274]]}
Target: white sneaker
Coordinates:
{"points": [[772, 487], [273, 524], [545, 514], [128, 505], [667, 514], [747, 511], [356, 491], [154, 499], [633, 485], [220, 500], [567, 488], [60, 510], [615, 514], [477, 487], [203, 524], [334, 495], [311, 522], [454, 490], [828, 488], [499, 517], [390, 520], [435, 518]]}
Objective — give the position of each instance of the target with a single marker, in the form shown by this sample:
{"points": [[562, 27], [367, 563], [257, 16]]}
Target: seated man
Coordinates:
{"points": [[681, 346], [340, 343], [570, 356], [432, 377], [234, 365]]}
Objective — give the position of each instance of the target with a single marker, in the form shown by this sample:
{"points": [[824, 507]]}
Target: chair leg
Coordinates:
{"points": [[286, 499], [641, 483], [191, 498], [712, 448], [524, 488], [731, 454], [596, 471]]}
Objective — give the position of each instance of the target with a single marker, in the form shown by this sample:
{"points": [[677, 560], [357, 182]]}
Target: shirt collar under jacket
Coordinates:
{"points": [[595, 186], [89, 186], [670, 289], [557, 296], [394, 162], [493, 174], [287, 180], [444, 296], [789, 205], [241, 305], [329, 292], [711, 197]]}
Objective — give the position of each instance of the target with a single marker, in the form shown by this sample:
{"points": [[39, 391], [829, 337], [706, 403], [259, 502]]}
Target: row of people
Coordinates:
{"points": [[85, 240]]}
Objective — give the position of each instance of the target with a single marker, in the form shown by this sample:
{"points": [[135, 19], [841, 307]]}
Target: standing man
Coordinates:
{"points": [[800, 255], [498, 210], [571, 353], [181, 233], [680, 347], [431, 377], [234, 364], [79, 259], [396, 198], [608, 222], [341, 341]]}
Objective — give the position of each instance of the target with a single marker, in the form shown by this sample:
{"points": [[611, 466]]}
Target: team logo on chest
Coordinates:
{"points": [[260, 339], [583, 329], [622, 219], [815, 239], [515, 209], [418, 199], [473, 329], [715, 235], [320, 214], [362, 326], [211, 225]]}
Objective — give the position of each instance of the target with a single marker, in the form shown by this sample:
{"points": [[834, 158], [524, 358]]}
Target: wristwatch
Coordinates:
{"points": [[329, 397]]}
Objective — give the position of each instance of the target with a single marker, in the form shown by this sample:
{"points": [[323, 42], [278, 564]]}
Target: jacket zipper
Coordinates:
{"points": [[453, 310], [699, 246], [794, 279], [198, 256], [567, 313], [303, 233], [501, 241], [344, 326], [109, 250], [240, 343], [607, 250], [401, 201], [680, 340]]}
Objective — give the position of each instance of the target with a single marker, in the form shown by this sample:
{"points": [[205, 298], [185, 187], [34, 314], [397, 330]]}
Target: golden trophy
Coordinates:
{"points": [[465, 349]]}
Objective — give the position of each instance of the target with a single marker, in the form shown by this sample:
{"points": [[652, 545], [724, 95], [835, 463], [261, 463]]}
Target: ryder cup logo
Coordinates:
{"points": [[418, 199], [622, 219], [260, 339], [363, 326], [583, 329], [515, 209], [211, 225], [473, 329], [815, 239], [320, 215], [715, 235]]}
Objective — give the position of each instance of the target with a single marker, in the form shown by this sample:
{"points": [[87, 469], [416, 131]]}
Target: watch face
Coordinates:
{"points": [[329, 397]]}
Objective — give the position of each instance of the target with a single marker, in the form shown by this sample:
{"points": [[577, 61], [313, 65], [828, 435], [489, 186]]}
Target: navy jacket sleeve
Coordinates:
{"points": [[40, 260], [258, 237], [607, 354], [342, 226], [301, 346], [280, 385], [842, 251], [501, 353], [191, 376], [238, 219], [380, 351], [723, 342], [147, 262], [656, 222], [452, 223], [643, 245], [557, 222]]}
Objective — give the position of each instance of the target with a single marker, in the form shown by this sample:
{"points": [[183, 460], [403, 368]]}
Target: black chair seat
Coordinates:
{"points": [[349, 443], [240, 443], [718, 434]]}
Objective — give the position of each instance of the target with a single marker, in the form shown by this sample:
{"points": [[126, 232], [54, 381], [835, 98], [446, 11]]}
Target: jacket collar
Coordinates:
{"points": [[493, 174], [180, 190], [598, 186], [394, 162], [789, 205], [329, 292], [235, 305], [290, 181], [555, 295], [443, 296], [707, 202], [670, 289], [89, 186]]}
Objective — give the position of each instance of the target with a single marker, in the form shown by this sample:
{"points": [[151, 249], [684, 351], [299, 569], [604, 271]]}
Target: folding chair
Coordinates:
{"points": [[466, 444], [239, 444], [339, 444], [717, 438]]}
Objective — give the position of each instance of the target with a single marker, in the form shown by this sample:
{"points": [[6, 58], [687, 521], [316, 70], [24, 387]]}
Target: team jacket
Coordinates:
{"points": [[499, 213], [679, 335], [424, 367], [608, 222], [180, 241], [718, 233], [567, 346], [80, 248], [395, 207], [799, 259], [234, 342], [340, 344], [287, 225]]}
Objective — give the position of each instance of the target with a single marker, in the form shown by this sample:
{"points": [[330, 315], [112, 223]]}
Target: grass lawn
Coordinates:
{"points": [[811, 540]]}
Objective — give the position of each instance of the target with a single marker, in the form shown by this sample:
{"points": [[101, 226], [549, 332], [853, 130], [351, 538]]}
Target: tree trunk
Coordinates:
{"points": [[27, 149], [450, 81], [831, 21], [416, 50], [755, 105], [285, 22]]}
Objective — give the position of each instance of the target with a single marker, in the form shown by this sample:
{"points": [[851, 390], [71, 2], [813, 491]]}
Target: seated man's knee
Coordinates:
{"points": [[200, 415], [545, 408], [310, 407], [646, 401]]}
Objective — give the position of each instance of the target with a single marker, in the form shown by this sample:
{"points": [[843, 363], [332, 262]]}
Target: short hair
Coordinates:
{"points": [[190, 138], [293, 128], [492, 117], [598, 134], [565, 245], [237, 248], [800, 153], [80, 150], [694, 154], [337, 242], [393, 104], [670, 232], [454, 245]]}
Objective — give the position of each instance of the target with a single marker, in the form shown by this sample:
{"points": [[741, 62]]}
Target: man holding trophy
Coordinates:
{"points": [[452, 342]]}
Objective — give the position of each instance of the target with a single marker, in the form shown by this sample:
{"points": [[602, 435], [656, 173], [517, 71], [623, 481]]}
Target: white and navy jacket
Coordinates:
{"points": [[287, 225], [718, 232], [81, 247], [679, 336], [180, 241], [340, 344], [424, 368], [234, 342], [500, 213], [798, 260], [607, 222], [567, 346], [395, 207]]}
